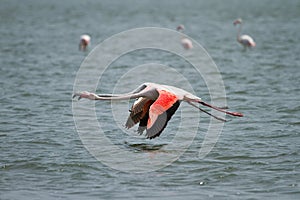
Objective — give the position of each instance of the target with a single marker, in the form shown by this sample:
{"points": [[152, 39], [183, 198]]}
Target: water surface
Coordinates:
{"points": [[42, 156]]}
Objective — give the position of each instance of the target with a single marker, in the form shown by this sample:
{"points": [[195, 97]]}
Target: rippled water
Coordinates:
{"points": [[42, 156]]}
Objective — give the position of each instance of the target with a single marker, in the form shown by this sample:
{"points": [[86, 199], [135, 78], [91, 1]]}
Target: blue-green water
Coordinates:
{"points": [[41, 154]]}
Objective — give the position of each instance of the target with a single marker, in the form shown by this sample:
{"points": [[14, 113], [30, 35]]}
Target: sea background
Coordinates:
{"points": [[255, 157]]}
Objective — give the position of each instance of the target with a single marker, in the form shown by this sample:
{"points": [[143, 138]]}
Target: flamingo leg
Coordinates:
{"points": [[237, 114], [218, 118]]}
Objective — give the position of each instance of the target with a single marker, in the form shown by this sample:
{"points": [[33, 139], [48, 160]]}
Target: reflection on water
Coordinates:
{"points": [[145, 147]]}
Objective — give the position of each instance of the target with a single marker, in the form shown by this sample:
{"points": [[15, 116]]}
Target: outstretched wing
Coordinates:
{"points": [[160, 113], [143, 123], [138, 111]]}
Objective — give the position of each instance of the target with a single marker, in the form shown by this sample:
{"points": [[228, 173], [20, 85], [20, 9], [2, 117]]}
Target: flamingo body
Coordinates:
{"points": [[154, 106], [187, 43], [246, 40]]}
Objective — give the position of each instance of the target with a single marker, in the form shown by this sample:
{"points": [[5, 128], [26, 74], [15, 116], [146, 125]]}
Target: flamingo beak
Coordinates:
{"points": [[75, 95]]}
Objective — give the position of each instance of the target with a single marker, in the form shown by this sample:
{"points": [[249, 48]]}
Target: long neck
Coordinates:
{"points": [[148, 93], [116, 96], [239, 32], [130, 95]]}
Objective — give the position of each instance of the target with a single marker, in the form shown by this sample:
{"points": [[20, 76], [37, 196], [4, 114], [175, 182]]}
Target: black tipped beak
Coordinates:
{"points": [[75, 95]]}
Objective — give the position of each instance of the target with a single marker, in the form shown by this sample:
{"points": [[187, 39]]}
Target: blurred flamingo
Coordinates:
{"points": [[245, 40], [85, 40], [185, 42]]}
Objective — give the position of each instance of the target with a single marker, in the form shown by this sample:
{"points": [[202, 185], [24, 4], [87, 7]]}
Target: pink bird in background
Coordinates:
{"points": [[186, 43], [245, 40], [85, 40]]}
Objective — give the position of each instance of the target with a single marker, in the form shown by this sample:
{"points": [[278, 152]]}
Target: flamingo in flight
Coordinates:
{"points": [[85, 40], [154, 106], [245, 40]]}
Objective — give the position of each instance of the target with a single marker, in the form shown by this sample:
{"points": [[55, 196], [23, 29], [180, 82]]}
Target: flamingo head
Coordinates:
{"points": [[237, 21], [180, 27]]}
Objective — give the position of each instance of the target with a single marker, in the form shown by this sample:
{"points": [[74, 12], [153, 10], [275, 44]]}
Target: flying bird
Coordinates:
{"points": [[85, 40], [154, 106], [245, 40]]}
